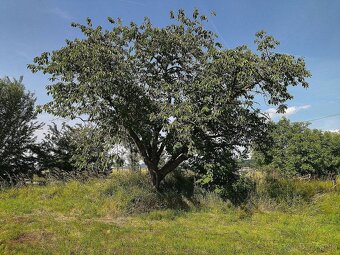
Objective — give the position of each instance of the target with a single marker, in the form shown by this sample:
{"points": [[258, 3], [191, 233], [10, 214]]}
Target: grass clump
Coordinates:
{"points": [[133, 193]]}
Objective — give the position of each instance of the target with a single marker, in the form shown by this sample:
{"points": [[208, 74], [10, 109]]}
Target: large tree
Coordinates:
{"points": [[17, 127], [175, 91]]}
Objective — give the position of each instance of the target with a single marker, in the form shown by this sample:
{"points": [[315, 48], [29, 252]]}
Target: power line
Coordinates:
{"points": [[324, 117]]}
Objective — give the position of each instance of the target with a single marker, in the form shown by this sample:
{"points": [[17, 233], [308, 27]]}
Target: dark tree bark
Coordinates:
{"points": [[151, 156]]}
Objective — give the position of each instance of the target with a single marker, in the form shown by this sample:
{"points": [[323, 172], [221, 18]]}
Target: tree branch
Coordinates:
{"points": [[140, 146], [172, 164]]}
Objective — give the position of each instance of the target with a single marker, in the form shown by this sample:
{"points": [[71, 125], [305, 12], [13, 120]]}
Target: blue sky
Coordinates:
{"points": [[308, 28]]}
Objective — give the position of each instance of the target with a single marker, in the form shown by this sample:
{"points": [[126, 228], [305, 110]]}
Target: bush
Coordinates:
{"points": [[240, 191], [221, 175]]}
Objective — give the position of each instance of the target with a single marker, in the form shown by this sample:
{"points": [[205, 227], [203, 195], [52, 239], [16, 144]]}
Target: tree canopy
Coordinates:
{"points": [[17, 122], [174, 90]]}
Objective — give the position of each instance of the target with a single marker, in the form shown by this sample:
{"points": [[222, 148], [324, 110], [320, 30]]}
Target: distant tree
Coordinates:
{"points": [[173, 90], [56, 151], [73, 151], [294, 149], [94, 150], [17, 127]]}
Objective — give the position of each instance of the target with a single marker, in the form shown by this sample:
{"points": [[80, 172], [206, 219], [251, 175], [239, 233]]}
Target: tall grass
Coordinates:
{"points": [[125, 215], [274, 191]]}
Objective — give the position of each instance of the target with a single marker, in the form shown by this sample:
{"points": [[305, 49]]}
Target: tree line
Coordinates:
{"points": [[296, 150]]}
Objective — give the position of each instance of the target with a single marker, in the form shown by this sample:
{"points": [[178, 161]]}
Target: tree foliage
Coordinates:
{"points": [[17, 122], [295, 149], [175, 91]]}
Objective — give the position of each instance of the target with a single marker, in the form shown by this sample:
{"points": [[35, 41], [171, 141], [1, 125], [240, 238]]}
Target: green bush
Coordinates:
{"points": [[240, 191]]}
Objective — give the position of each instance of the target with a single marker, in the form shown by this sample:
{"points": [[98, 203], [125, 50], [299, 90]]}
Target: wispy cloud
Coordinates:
{"points": [[23, 54], [61, 13], [213, 25], [289, 111]]}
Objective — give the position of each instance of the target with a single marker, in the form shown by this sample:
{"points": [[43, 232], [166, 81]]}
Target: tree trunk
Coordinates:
{"points": [[158, 174], [151, 156], [156, 178]]}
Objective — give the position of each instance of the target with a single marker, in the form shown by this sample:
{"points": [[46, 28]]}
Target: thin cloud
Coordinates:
{"points": [[214, 27], [289, 111], [23, 54], [61, 13]]}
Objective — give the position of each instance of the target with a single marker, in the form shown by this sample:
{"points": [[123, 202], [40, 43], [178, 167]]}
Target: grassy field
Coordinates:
{"points": [[123, 215]]}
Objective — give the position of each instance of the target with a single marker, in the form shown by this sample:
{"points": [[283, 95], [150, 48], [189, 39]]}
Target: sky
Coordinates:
{"points": [[305, 28]]}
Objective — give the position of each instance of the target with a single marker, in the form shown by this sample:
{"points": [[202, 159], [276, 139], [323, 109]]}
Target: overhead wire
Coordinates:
{"points": [[324, 117]]}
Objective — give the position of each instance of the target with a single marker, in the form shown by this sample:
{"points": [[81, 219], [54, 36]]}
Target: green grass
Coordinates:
{"points": [[123, 215]]}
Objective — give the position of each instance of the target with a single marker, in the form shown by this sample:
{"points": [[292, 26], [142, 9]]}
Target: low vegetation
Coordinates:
{"points": [[125, 215]]}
